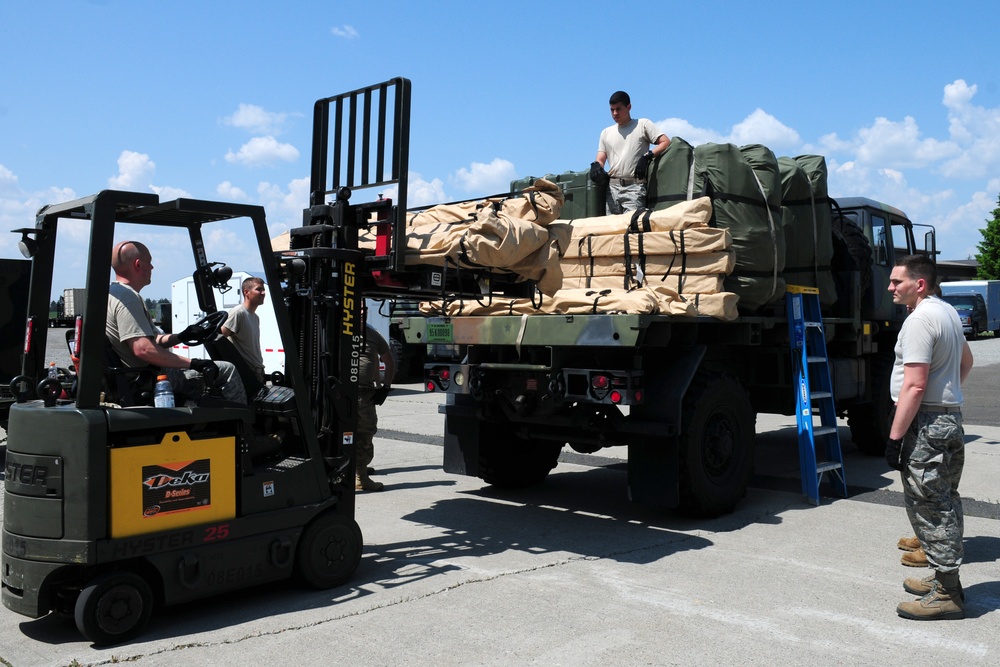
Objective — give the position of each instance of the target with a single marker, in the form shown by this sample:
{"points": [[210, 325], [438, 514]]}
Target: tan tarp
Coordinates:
{"points": [[693, 213], [721, 306], [689, 241], [685, 285], [642, 301], [702, 264], [541, 204], [493, 241]]}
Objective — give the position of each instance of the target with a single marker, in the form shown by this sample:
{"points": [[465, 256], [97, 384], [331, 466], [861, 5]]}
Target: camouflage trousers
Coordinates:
{"points": [[364, 446], [934, 455], [621, 198]]}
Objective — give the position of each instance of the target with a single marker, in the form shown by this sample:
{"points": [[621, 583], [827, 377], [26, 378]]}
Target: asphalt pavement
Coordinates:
{"points": [[455, 572]]}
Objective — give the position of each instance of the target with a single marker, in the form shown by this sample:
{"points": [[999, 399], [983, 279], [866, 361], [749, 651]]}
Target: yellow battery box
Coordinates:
{"points": [[178, 482]]}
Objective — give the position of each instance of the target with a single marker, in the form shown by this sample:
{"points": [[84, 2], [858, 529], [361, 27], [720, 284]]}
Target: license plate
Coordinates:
{"points": [[440, 333]]}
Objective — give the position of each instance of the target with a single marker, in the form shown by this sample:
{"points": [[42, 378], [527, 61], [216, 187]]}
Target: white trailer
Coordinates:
{"points": [[186, 311]]}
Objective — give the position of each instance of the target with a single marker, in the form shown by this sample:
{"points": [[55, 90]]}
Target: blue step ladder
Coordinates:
{"points": [[814, 395]]}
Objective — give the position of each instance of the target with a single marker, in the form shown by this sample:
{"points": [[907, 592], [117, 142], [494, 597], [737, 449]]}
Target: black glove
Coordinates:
{"points": [[894, 453], [207, 368], [597, 173], [378, 398], [643, 166]]}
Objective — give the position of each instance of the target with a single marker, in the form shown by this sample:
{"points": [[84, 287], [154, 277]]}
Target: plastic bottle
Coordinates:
{"points": [[163, 394], [53, 371]]}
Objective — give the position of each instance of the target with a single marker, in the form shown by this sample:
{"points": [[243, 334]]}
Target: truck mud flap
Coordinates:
{"points": [[653, 459]]}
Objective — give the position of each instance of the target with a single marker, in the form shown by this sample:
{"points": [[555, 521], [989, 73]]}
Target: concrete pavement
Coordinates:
{"points": [[570, 573]]}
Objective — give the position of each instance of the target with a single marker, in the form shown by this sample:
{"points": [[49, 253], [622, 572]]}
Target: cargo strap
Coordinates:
{"points": [[813, 393]]}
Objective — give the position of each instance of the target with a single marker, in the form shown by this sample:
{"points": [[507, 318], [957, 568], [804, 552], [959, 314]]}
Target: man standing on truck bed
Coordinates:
{"points": [[926, 439], [625, 148], [136, 339]]}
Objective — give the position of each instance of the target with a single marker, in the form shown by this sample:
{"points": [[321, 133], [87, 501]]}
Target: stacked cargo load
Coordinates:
{"points": [[740, 203], [672, 250], [777, 210]]}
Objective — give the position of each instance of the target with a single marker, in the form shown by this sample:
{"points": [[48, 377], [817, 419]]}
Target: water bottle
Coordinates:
{"points": [[163, 394], [53, 372]]}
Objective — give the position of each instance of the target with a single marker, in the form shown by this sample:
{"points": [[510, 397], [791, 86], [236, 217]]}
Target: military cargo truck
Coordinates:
{"points": [[680, 393]]}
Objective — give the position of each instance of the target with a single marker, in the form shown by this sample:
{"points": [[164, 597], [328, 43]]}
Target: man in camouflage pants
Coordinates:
{"points": [[371, 392], [926, 439]]}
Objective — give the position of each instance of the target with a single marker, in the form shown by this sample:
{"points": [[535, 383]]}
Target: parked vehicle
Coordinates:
{"points": [[977, 303]]}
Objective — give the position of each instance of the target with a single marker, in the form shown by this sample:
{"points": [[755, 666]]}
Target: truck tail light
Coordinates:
{"points": [[600, 385], [438, 377]]}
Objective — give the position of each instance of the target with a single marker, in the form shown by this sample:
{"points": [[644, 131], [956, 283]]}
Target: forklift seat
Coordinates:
{"points": [[126, 386], [223, 349]]}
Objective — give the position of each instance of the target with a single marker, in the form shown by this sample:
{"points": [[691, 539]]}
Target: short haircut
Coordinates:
{"points": [[620, 97], [248, 282], [920, 266], [125, 253]]}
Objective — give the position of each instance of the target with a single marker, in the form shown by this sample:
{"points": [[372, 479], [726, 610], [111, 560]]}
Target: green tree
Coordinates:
{"points": [[989, 248]]}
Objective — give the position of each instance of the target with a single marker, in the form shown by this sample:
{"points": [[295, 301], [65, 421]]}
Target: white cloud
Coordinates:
{"points": [[168, 193], [678, 127], [344, 31], [134, 172], [485, 179], [419, 191], [759, 127], [263, 151], [230, 192], [900, 145], [256, 120], [975, 128]]}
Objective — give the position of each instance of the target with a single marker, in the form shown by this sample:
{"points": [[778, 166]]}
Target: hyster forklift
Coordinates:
{"points": [[112, 505]]}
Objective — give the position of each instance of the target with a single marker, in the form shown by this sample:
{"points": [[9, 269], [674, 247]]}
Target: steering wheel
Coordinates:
{"points": [[204, 329]]}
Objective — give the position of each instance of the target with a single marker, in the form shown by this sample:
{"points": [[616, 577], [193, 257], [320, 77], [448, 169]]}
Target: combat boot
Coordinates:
{"points": [[362, 482], [908, 544], [922, 587], [916, 558], [943, 603]]}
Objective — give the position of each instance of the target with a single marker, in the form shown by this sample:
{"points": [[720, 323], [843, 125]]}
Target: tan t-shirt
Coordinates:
{"points": [[127, 319], [246, 337]]}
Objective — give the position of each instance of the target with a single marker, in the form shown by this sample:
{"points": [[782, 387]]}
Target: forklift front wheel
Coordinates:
{"points": [[329, 551], [113, 607]]}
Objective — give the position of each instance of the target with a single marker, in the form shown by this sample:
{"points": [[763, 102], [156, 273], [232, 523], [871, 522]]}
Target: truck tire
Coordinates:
{"points": [[508, 461], [113, 607], [716, 445], [869, 422]]}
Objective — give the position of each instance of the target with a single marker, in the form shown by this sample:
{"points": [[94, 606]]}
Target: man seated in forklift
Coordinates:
{"points": [[135, 338]]}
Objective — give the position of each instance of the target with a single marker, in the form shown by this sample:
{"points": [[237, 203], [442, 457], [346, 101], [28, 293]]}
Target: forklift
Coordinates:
{"points": [[113, 506]]}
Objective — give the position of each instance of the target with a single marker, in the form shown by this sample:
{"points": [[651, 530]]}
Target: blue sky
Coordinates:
{"points": [[213, 100]]}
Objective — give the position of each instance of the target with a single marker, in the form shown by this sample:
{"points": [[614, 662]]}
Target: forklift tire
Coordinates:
{"points": [[113, 608], [329, 551]]}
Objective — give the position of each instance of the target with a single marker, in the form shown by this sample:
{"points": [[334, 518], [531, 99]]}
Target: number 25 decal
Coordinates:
{"points": [[220, 532]]}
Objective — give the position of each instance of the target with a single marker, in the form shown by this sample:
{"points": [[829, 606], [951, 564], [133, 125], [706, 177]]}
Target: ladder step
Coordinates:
{"points": [[824, 430], [827, 466], [820, 394]]}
